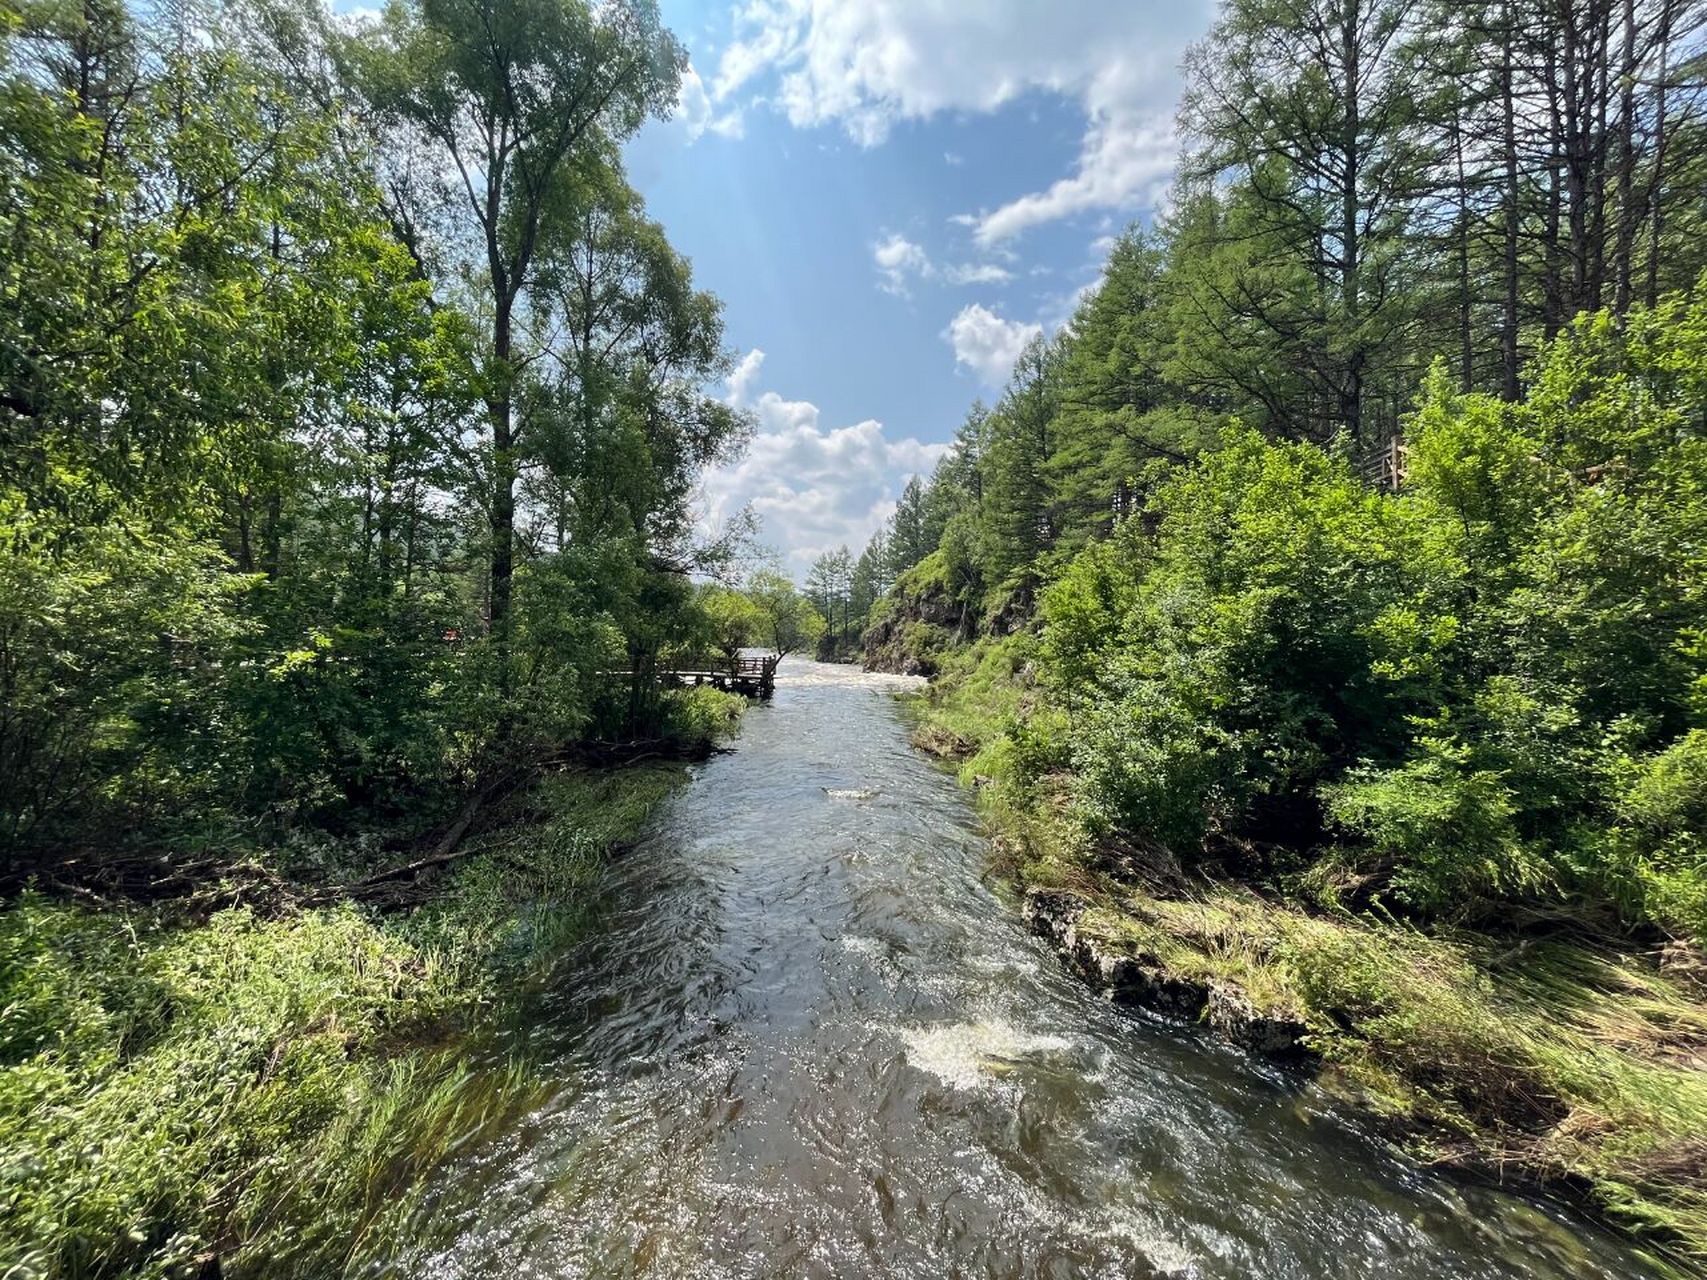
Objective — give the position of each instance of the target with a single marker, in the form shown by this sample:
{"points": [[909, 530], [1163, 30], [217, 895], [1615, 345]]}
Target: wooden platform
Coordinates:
{"points": [[753, 677]]}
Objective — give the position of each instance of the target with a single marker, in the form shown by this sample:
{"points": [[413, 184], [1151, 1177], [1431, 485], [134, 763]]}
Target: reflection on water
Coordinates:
{"points": [[809, 1040]]}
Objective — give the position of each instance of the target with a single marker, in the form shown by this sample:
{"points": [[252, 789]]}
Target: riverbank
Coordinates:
{"points": [[1545, 1054], [263, 1089]]}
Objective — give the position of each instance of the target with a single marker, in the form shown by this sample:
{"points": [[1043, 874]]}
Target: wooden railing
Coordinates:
{"points": [[1387, 465], [751, 674]]}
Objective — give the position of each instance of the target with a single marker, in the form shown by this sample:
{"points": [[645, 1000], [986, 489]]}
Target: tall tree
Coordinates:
{"points": [[907, 539], [1309, 106], [1017, 518], [829, 585], [515, 95]]}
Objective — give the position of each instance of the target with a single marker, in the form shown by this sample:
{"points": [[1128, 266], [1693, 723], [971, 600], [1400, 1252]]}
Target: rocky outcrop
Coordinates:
{"points": [[916, 623], [1144, 981]]}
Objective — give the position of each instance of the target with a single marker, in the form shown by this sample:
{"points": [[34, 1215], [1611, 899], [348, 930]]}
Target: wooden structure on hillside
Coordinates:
{"points": [[751, 675], [1386, 465]]}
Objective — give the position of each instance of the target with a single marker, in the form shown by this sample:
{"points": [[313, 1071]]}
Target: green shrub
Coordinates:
{"points": [[702, 715], [1219, 670], [1444, 828], [1653, 859]]}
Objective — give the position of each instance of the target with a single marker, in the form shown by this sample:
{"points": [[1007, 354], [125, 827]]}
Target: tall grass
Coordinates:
{"points": [[271, 1093]]}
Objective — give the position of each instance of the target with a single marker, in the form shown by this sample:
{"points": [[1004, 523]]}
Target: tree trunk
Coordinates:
{"points": [[1656, 182], [503, 512], [1466, 350], [1508, 141], [1626, 182], [1351, 389], [1552, 301]]}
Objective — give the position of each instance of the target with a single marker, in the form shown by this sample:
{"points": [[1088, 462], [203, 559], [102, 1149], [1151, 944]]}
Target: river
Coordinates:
{"points": [[810, 1039]]}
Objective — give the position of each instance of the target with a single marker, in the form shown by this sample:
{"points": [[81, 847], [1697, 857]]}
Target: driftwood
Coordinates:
{"points": [[446, 849], [612, 754]]}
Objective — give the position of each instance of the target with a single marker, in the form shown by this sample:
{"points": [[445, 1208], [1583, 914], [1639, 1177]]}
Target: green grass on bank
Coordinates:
{"points": [[1554, 1054], [269, 1092]]}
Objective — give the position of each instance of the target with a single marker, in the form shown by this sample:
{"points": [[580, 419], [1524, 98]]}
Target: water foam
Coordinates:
{"points": [[967, 1055]]}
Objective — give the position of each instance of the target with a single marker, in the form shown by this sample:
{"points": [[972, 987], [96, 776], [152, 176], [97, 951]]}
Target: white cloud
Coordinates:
{"points": [[731, 124], [988, 344], [898, 259], [694, 114], [743, 378], [1127, 157], [815, 488], [977, 273], [867, 64], [693, 105], [900, 263]]}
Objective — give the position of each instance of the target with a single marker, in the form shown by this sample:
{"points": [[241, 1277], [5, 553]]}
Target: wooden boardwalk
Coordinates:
{"points": [[1387, 465], [753, 676]]}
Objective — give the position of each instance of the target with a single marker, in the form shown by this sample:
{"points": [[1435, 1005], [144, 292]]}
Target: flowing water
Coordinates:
{"points": [[810, 1040]]}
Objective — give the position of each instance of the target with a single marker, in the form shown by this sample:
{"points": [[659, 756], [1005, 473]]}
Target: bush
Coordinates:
{"points": [[701, 716], [1653, 859], [1443, 827], [1243, 653], [1485, 688]]}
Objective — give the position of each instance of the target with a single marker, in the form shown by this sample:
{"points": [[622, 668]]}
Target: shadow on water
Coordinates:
{"points": [[808, 1040]]}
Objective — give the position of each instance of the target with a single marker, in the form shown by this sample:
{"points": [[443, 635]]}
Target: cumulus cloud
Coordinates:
{"points": [[978, 273], [1123, 161], [900, 263], [695, 114], [898, 260], [867, 64], [987, 344], [744, 378], [814, 487]]}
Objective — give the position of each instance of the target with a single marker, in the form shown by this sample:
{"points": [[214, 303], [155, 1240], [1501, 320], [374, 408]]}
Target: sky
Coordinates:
{"points": [[891, 197]]}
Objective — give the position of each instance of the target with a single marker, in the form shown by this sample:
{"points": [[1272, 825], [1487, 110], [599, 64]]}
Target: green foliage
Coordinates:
{"points": [[735, 621], [701, 716], [1446, 829], [258, 554], [830, 590], [1239, 669], [791, 623], [165, 1091], [1482, 690], [1654, 855]]}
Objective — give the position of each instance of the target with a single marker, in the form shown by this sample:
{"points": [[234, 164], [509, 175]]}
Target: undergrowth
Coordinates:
{"points": [[263, 1095]]}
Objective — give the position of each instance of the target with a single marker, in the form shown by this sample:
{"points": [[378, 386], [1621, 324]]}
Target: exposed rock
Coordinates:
{"points": [[942, 742], [1144, 981], [916, 623], [1270, 1035], [1015, 612]]}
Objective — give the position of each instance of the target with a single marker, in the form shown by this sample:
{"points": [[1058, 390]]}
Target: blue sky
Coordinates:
{"points": [[890, 197]]}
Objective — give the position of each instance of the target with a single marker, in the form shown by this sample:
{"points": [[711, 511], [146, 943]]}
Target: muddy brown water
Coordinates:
{"points": [[810, 1039]]}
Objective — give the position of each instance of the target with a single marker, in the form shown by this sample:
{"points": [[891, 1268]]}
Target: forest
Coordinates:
{"points": [[1319, 616], [1321, 610]]}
